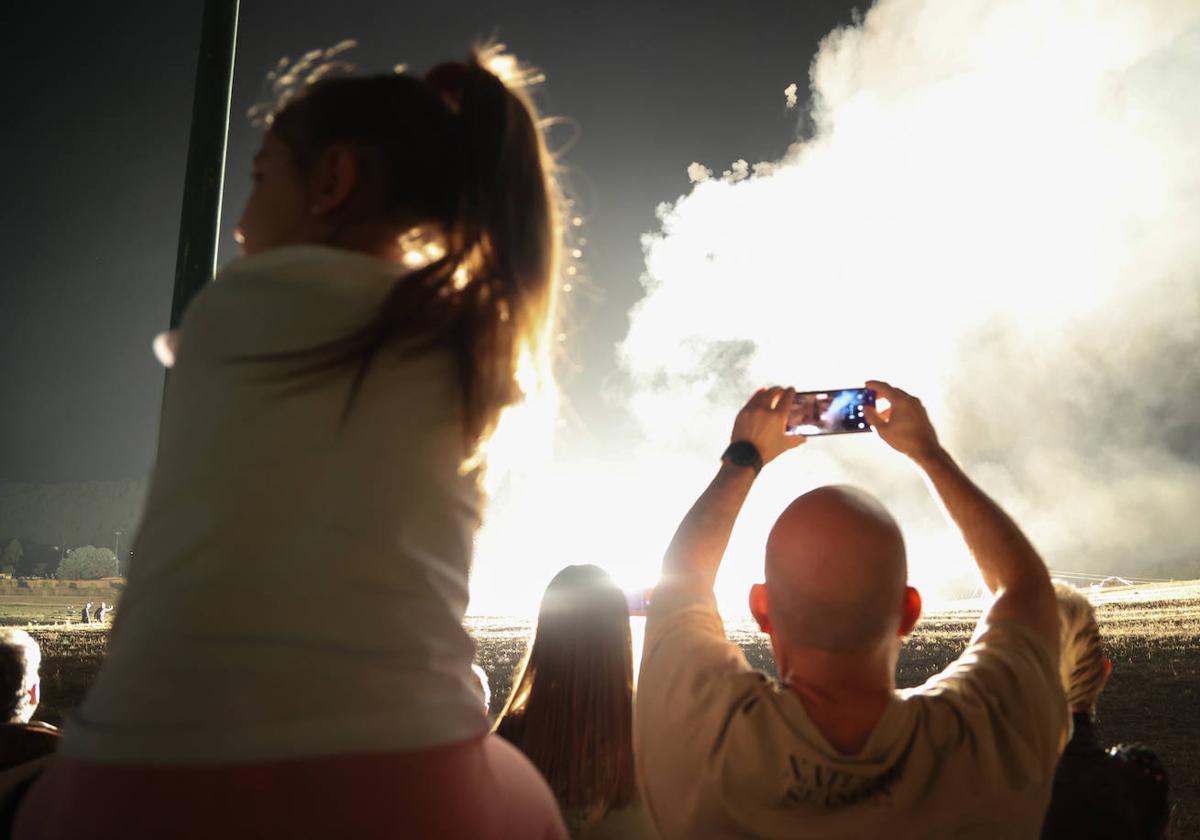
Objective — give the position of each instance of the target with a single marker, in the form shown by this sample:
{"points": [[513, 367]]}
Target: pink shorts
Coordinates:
{"points": [[482, 788]]}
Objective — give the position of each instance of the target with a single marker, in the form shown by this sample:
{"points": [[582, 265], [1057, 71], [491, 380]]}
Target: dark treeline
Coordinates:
{"points": [[48, 519]]}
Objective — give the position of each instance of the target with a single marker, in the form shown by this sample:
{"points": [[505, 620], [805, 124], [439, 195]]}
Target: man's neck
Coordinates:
{"points": [[844, 694]]}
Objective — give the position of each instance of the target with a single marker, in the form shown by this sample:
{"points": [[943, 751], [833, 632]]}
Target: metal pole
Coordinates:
{"points": [[200, 221]]}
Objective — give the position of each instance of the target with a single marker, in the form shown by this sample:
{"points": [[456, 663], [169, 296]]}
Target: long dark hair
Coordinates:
{"points": [[459, 156], [571, 707]]}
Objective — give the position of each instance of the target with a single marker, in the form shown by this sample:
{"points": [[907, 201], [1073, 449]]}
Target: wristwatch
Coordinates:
{"points": [[743, 453]]}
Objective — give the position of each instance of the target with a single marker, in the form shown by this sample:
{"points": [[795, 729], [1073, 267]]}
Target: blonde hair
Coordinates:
{"points": [[1081, 665], [20, 659]]}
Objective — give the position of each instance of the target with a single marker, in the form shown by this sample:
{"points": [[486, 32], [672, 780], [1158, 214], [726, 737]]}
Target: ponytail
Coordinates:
{"points": [[463, 160], [510, 248]]}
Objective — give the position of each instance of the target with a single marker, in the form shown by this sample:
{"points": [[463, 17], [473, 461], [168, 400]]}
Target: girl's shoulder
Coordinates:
{"points": [[296, 295], [310, 265]]}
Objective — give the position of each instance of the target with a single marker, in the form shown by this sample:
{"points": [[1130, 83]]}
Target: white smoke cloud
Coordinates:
{"points": [[739, 170], [997, 209], [789, 93], [698, 172]]}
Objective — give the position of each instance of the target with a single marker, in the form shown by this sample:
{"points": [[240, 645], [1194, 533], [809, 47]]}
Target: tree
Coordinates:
{"points": [[87, 563], [11, 558], [37, 557]]}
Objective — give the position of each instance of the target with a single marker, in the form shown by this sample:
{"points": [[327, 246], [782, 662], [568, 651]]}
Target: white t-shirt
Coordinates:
{"points": [[725, 752], [298, 584]]}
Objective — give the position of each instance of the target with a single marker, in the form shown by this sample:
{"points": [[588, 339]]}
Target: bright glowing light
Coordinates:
{"points": [[519, 451], [996, 210], [503, 65], [461, 278], [420, 247], [434, 251], [568, 514], [506, 67]]}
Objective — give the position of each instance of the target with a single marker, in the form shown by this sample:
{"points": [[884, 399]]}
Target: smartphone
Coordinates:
{"points": [[834, 412]]}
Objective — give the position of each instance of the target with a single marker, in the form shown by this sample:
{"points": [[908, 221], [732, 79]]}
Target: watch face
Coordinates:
{"points": [[743, 454], [741, 457]]}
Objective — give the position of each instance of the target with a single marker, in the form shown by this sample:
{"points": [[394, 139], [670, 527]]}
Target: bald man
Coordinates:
{"points": [[833, 750]]}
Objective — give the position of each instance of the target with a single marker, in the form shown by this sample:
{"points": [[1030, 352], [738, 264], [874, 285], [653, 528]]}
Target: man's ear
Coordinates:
{"points": [[910, 611], [758, 606], [334, 179]]}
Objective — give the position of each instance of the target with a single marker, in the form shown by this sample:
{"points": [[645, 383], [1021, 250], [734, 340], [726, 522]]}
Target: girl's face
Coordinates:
{"points": [[277, 212]]}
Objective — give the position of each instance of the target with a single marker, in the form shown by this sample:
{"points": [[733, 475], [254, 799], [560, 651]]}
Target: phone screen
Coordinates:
{"points": [[833, 412]]}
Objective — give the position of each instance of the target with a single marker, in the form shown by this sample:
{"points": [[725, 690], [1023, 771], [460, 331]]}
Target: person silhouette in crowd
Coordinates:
{"points": [[86, 616], [834, 750], [102, 613], [21, 740], [1101, 794], [341, 380], [571, 706]]}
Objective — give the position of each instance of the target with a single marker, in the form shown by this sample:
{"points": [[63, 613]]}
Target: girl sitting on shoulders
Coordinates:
{"points": [[322, 435]]}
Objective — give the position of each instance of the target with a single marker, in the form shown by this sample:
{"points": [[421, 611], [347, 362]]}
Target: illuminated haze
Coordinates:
{"points": [[995, 205]]}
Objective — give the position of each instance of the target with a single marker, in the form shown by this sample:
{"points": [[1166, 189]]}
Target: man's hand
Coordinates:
{"points": [[903, 425], [763, 422], [699, 544], [1010, 566]]}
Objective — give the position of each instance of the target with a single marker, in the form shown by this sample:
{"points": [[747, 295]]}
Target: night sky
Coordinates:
{"points": [[97, 105]]}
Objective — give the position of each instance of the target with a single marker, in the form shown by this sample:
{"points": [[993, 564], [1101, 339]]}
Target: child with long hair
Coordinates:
{"points": [[320, 450], [571, 706], [1102, 794]]}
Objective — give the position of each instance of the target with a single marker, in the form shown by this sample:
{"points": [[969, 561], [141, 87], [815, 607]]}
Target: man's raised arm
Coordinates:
{"points": [[1010, 566], [699, 544]]}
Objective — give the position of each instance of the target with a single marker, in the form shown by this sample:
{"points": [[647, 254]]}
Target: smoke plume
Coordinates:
{"points": [[995, 206]]}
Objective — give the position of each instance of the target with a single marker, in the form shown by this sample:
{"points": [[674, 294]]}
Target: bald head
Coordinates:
{"points": [[836, 572]]}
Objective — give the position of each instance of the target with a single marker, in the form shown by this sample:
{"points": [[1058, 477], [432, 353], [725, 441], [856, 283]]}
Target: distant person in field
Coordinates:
{"points": [[834, 750], [571, 706], [86, 616], [321, 449], [102, 613], [21, 740], [1101, 794]]}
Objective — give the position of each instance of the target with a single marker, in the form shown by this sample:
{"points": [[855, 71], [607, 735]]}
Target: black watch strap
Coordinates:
{"points": [[743, 453]]}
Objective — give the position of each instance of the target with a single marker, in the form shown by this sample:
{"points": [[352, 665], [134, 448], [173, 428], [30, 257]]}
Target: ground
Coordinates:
{"points": [[1153, 636]]}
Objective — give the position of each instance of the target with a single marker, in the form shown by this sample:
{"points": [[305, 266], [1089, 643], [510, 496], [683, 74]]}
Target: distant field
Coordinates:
{"points": [[1153, 633], [52, 611]]}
